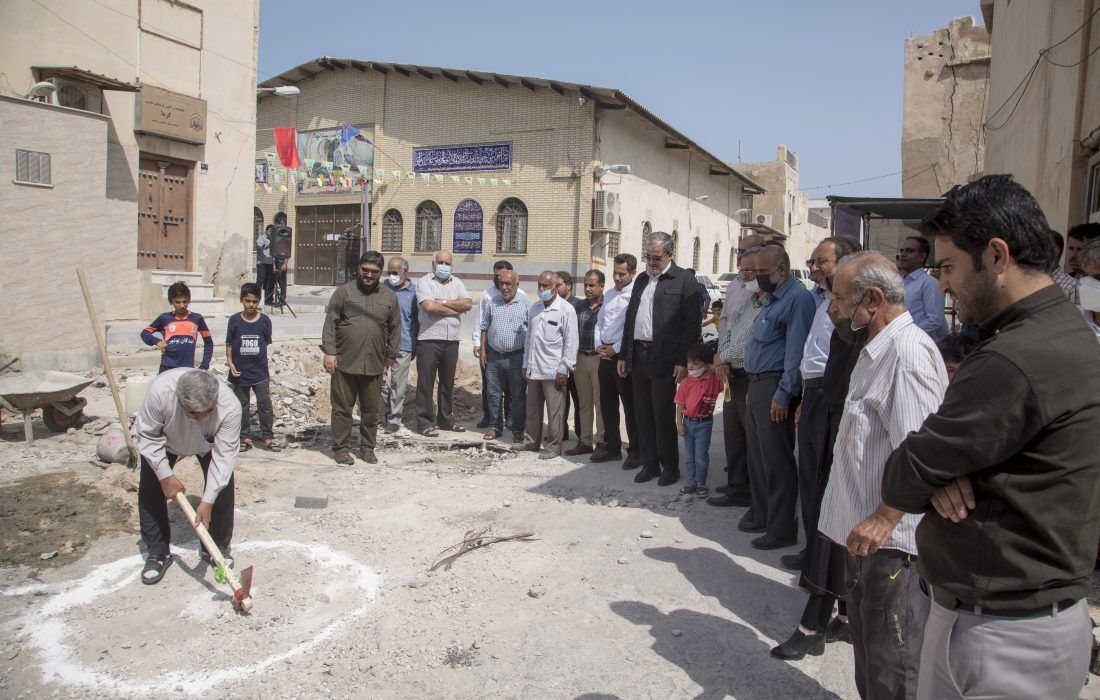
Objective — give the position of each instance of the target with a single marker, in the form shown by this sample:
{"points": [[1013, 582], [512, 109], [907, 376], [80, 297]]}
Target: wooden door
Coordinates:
{"points": [[305, 245], [164, 222], [319, 242]]}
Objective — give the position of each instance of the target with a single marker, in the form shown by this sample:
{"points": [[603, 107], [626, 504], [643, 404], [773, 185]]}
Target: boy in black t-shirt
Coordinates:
{"points": [[246, 341]]}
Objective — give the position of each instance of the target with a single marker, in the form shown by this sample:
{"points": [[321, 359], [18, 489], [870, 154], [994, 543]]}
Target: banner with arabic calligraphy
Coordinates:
{"points": [[468, 227], [472, 158], [335, 160]]}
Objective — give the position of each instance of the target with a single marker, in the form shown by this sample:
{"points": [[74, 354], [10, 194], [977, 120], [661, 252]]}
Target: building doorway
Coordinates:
{"points": [[164, 214], [325, 238]]}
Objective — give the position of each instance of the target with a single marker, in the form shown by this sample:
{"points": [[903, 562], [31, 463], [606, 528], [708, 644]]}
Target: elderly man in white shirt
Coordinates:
{"points": [[549, 356], [442, 299], [186, 412], [898, 381], [613, 388]]}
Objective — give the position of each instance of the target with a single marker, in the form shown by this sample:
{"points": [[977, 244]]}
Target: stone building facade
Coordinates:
{"points": [[531, 156], [126, 134], [943, 138], [1046, 134], [783, 212]]}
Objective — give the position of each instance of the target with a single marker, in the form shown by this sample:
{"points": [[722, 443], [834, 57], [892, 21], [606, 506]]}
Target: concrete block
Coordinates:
{"points": [[311, 500]]}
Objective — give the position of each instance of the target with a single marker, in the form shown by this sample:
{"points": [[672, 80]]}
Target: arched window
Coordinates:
{"points": [[733, 260], [646, 230], [280, 219], [512, 226], [714, 260], [696, 251], [257, 222], [392, 231], [675, 243], [429, 227]]}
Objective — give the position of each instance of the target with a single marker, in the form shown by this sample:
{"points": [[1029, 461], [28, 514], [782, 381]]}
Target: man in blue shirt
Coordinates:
{"points": [[396, 379], [772, 360], [923, 297]]}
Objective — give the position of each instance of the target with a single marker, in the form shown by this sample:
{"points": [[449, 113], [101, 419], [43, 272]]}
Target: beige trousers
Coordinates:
{"points": [[587, 377], [539, 392]]}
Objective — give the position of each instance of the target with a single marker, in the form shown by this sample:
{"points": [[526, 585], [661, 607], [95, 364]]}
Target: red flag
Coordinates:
{"points": [[286, 142]]}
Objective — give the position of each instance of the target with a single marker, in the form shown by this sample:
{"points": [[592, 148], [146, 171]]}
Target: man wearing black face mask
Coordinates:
{"points": [[772, 360]]}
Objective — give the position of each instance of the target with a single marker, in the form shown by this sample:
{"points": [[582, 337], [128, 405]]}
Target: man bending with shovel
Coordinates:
{"points": [[186, 412]]}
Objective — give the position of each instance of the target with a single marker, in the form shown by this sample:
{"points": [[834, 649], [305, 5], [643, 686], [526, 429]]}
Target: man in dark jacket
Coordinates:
{"points": [[663, 320], [1008, 463]]}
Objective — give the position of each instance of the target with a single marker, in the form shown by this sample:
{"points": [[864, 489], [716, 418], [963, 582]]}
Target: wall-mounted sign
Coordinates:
{"points": [[478, 157], [336, 160], [170, 114], [468, 227], [261, 171]]}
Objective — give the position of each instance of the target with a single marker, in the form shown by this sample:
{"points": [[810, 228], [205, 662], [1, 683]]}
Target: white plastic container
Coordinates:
{"points": [[134, 394]]}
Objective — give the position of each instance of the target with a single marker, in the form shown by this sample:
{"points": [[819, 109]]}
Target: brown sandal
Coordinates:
{"points": [[493, 434], [429, 432]]}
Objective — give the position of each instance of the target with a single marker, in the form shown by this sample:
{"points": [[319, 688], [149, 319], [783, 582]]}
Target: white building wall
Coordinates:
{"points": [[662, 190]]}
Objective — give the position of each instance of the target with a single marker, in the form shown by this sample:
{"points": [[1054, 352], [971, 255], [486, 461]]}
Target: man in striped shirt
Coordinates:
{"points": [[899, 379]]}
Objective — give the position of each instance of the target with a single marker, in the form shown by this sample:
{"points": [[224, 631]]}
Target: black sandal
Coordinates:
{"points": [[156, 566], [270, 446]]}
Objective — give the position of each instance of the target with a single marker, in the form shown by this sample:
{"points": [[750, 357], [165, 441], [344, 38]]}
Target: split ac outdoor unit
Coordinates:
{"points": [[79, 96], [605, 211], [765, 219]]}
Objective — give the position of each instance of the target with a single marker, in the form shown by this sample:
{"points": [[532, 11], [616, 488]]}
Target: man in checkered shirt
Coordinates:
{"points": [[503, 333]]}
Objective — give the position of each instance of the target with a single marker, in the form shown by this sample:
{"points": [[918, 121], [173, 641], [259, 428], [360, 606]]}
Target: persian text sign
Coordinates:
{"points": [[171, 114], [468, 227], [478, 157]]}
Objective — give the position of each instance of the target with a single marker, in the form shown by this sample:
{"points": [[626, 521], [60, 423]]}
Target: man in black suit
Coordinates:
{"points": [[663, 320]]}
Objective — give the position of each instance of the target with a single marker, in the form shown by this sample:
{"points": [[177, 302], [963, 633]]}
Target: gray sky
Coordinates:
{"points": [[823, 77]]}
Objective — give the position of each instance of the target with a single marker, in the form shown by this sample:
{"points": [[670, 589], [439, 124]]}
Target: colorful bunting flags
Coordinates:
{"points": [[493, 181]]}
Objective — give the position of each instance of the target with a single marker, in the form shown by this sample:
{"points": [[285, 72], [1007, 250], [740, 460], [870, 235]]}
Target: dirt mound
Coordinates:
{"points": [[55, 514]]}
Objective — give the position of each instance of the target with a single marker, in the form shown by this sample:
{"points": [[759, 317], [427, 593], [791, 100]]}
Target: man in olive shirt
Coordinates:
{"points": [[1008, 462], [361, 337]]}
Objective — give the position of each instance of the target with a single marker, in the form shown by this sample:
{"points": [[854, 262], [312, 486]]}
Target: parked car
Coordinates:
{"points": [[803, 276], [713, 290], [725, 278]]}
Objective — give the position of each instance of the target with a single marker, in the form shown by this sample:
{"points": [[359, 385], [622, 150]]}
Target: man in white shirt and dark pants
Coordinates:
{"points": [[549, 356], [898, 381], [186, 412], [613, 388], [813, 411]]}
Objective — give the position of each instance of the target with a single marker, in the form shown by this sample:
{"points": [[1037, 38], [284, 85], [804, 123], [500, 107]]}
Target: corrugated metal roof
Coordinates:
{"points": [[84, 76], [607, 98]]}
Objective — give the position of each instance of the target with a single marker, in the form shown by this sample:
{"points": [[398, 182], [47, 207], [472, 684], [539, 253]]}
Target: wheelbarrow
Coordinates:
{"points": [[54, 392]]}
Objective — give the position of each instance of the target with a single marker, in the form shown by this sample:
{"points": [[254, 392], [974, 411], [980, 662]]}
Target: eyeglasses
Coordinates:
{"points": [[370, 272], [655, 258], [820, 262], [758, 271]]}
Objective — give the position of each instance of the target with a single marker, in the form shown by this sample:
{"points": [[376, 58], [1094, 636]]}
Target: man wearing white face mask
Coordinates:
{"points": [[442, 299], [1088, 287], [396, 378]]}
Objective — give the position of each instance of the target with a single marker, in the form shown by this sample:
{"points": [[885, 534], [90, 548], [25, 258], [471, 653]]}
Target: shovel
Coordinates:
{"points": [[241, 588]]}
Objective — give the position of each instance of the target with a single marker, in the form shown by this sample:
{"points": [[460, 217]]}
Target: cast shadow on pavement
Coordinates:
{"points": [[723, 657]]}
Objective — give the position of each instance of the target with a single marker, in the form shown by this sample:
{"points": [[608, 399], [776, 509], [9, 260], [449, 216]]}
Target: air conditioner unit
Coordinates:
{"points": [[605, 211], [765, 219], [79, 96]]}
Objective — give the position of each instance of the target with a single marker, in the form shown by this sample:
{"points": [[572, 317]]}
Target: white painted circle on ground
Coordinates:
{"points": [[46, 627]]}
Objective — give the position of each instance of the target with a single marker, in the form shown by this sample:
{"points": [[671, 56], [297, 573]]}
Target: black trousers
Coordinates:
{"points": [[614, 388], [153, 510], [265, 277], [811, 444], [735, 440], [435, 360], [263, 408], [571, 385], [654, 392], [773, 472]]}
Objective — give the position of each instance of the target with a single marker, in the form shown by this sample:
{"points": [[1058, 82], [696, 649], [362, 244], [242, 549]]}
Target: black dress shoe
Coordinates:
{"points": [[724, 488], [799, 645], [605, 455], [769, 542], [730, 499], [668, 478], [645, 475], [838, 631], [749, 524], [632, 461], [793, 562]]}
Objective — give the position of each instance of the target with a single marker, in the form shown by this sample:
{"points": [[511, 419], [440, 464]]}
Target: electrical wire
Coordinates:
{"points": [[1073, 65], [870, 179]]}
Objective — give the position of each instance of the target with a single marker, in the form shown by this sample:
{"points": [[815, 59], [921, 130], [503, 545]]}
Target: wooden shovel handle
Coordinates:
{"points": [[207, 540]]}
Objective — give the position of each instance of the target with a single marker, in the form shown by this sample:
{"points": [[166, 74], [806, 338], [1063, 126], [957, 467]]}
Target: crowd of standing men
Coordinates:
{"points": [[950, 518]]}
